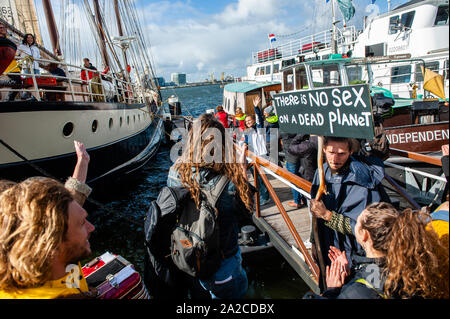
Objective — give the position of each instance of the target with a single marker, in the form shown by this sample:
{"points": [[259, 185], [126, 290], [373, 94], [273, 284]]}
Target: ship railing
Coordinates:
{"points": [[261, 167], [431, 187], [406, 81], [305, 45], [101, 88]]}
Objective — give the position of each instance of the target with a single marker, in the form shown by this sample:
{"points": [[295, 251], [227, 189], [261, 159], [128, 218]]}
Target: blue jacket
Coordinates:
{"points": [[348, 194]]}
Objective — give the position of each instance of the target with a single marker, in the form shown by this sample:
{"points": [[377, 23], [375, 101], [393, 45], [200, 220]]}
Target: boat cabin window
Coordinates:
{"points": [[355, 74], [268, 69], [375, 49], [433, 66], [407, 19], [260, 70], [325, 75], [276, 68], [394, 24], [401, 74], [289, 62], [301, 80], [442, 16], [288, 80]]}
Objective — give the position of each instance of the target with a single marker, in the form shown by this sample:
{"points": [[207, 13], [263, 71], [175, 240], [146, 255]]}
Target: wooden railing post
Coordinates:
{"points": [[309, 260]]}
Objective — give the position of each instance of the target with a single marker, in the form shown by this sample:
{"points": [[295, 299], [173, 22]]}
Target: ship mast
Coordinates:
{"points": [[101, 35], [52, 28], [123, 46]]}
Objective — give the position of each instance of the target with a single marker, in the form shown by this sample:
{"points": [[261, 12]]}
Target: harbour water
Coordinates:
{"points": [[119, 225]]}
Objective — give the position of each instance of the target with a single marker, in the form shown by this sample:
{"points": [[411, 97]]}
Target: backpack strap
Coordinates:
{"points": [[368, 285], [213, 194]]}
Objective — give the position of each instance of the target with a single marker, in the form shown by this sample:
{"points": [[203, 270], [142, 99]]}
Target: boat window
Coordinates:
{"points": [[401, 74], [433, 66], [289, 62], [326, 75], [375, 49], [407, 19], [267, 69], [394, 24], [301, 81], [276, 68], [355, 74], [288, 79], [442, 16], [257, 71]]}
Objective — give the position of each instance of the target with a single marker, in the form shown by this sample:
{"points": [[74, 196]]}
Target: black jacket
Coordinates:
{"points": [[305, 147], [368, 269], [287, 139]]}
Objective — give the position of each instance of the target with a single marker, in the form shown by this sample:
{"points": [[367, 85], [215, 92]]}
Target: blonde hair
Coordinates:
{"points": [[416, 261], [33, 224], [194, 157]]}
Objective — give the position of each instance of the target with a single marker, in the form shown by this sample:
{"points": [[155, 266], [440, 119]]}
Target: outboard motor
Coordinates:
{"points": [[174, 105]]}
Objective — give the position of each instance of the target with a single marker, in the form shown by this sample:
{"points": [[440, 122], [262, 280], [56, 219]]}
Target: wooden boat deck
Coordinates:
{"points": [[272, 223]]}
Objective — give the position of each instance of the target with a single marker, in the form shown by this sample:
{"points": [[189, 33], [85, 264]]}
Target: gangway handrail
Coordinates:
{"points": [[261, 164], [416, 156]]}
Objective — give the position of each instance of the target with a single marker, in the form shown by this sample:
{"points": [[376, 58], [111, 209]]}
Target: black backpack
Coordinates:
{"points": [[175, 228], [195, 243]]}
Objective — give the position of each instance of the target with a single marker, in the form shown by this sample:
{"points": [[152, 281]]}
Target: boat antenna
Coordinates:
{"points": [[333, 32], [52, 28]]}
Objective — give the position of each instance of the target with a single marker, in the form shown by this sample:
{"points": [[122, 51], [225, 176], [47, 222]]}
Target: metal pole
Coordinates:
{"points": [[333, 40]]}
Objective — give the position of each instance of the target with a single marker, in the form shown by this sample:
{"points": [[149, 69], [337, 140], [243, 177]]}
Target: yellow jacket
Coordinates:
{"points": [[51, 289]]}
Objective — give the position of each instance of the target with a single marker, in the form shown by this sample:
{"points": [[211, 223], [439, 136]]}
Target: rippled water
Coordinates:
{"points": [[119, 225]]}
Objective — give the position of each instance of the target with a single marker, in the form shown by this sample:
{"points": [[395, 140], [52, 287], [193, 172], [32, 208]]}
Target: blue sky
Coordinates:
{"points": [[198, 37]]}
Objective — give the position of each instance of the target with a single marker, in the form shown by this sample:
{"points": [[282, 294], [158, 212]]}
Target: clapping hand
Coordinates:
{"points": [[335, 275], [339, 257]]}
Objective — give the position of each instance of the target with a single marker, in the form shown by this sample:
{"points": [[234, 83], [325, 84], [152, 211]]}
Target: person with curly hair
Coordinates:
{"points": [[44, 234], [403, 259], [209, 154], [43, 231]]}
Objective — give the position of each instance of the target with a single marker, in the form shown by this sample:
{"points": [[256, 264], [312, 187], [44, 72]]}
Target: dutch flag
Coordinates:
{"points": [[272, 38]]}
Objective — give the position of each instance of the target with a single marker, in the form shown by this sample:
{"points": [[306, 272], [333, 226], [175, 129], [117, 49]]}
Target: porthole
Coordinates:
{"points": [[68, 129], [120, 121], [94, 126], [111, 122], [139, 117], [134, 118], [128, 120]]}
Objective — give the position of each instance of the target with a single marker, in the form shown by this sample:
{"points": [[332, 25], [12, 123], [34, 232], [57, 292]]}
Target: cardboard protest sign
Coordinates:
{"points": [[344, 111]]}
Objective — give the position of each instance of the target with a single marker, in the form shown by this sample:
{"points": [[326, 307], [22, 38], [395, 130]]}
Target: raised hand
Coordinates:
{"points": [[82, 154], [256, 100]]}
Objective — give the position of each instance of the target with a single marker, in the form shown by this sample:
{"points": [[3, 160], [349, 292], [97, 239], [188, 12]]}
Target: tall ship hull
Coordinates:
{"points": [[48, 101], [37, 138]]}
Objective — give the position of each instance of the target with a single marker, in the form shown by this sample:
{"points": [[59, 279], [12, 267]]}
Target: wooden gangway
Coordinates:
{"points": [[289, 228]]}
